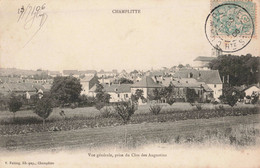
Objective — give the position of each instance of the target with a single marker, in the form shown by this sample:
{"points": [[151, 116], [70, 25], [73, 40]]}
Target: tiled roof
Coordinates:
{"points": [[146, 82], [207, 88], [5, 79], [207, 76], [87, 78], [20, 87], [118, 88], [250, 87]]}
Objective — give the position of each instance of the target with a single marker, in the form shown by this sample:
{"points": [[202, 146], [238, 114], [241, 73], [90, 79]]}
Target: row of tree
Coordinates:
{"points": [[238, 70]]}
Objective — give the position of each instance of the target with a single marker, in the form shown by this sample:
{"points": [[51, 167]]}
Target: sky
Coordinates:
{"points": [[84, 34]]}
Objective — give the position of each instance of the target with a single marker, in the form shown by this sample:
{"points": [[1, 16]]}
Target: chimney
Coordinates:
{"points": [[223, 79]]}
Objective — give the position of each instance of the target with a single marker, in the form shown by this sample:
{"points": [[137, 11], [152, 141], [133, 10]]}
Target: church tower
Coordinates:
{"points": [[215, 52]]}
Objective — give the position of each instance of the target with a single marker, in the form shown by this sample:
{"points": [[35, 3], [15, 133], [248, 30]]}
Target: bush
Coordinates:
{"points": [[125, 110], [14, 104], [155, 109], [198, 106], [255, 99], [170, 101], [106, 112], [99, 105], [43, 108]]}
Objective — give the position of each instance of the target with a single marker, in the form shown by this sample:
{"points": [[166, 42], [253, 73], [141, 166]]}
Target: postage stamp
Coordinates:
{"points": [[230, 26]]}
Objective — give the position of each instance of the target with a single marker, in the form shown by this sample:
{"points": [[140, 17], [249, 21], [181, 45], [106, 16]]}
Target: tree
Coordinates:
{"points": [[155, 95], [230, 96], [255, 99], [139, 94], [3, 101], [191, 95], [125, 81], [180, 66], [43, 108], [14, 104], [155, 109], [125, 110], [101, 95], [238, 70], [66, 89]]}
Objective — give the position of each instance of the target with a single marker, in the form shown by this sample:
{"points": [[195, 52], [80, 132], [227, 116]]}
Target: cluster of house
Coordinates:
{"points": [[26, 87], [206, 83]]}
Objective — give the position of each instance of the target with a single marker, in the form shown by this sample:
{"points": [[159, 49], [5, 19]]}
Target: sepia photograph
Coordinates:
{"points": [[128, 83]]}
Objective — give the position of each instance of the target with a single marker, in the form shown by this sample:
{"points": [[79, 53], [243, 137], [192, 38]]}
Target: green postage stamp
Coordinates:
{"points": [[230, 26]]}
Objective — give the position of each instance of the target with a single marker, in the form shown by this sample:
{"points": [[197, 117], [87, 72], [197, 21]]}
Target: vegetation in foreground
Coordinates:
{"points": [[111, 117]]}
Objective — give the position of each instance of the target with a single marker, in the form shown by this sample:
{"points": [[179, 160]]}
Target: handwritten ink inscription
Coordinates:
{"points": [[32, 18]]}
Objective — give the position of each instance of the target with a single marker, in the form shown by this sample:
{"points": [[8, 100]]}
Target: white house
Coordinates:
{"points": [[252, 90], [118, 92], [209, 77], [146, 84], [87, 83]]}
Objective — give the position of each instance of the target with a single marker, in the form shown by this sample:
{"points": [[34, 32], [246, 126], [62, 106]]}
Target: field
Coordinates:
{"points": [[92, 111], [235, 130], [176, 124]]}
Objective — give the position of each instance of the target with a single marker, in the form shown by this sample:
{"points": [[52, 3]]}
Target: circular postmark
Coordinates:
{"points": [[229, 27]]}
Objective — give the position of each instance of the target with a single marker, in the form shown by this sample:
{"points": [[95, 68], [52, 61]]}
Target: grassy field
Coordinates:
{"points": [[234, 130], [92, 111]]}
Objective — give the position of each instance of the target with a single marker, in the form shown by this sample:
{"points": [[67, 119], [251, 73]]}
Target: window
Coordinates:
{"points": [[215, 86], [118, 95], [126, 95]]}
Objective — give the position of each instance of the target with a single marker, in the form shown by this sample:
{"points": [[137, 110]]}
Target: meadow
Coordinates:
{"points": [[87, 127], [236, 131]]}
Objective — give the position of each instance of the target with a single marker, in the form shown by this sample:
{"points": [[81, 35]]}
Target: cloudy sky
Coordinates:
{"points": [[85, 34]]}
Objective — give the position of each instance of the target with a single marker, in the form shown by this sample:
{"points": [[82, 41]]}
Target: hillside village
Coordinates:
{"points": [[208, 84]]}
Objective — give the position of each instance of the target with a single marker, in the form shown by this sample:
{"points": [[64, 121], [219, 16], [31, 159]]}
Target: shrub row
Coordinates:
{"points": [[33, 124]]}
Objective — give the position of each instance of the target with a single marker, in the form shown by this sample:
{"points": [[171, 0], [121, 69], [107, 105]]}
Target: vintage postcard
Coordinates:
{"points": [[128, 83]]}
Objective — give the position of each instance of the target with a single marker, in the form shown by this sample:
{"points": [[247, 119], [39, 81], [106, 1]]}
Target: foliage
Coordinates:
{"points": [[198, 106], [99, 105], [125, 81], [4, 101], [255, 99], [230, 96], [106, 112], [180, 66], [139, 94], [43, 108], [101, 96], [191, 95], [66, 89], [15, 104], [165, 93], [155, 109], [155, 95], [125, 110], [21, 126], [241, 69], [85, 101], [170, 100]]}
